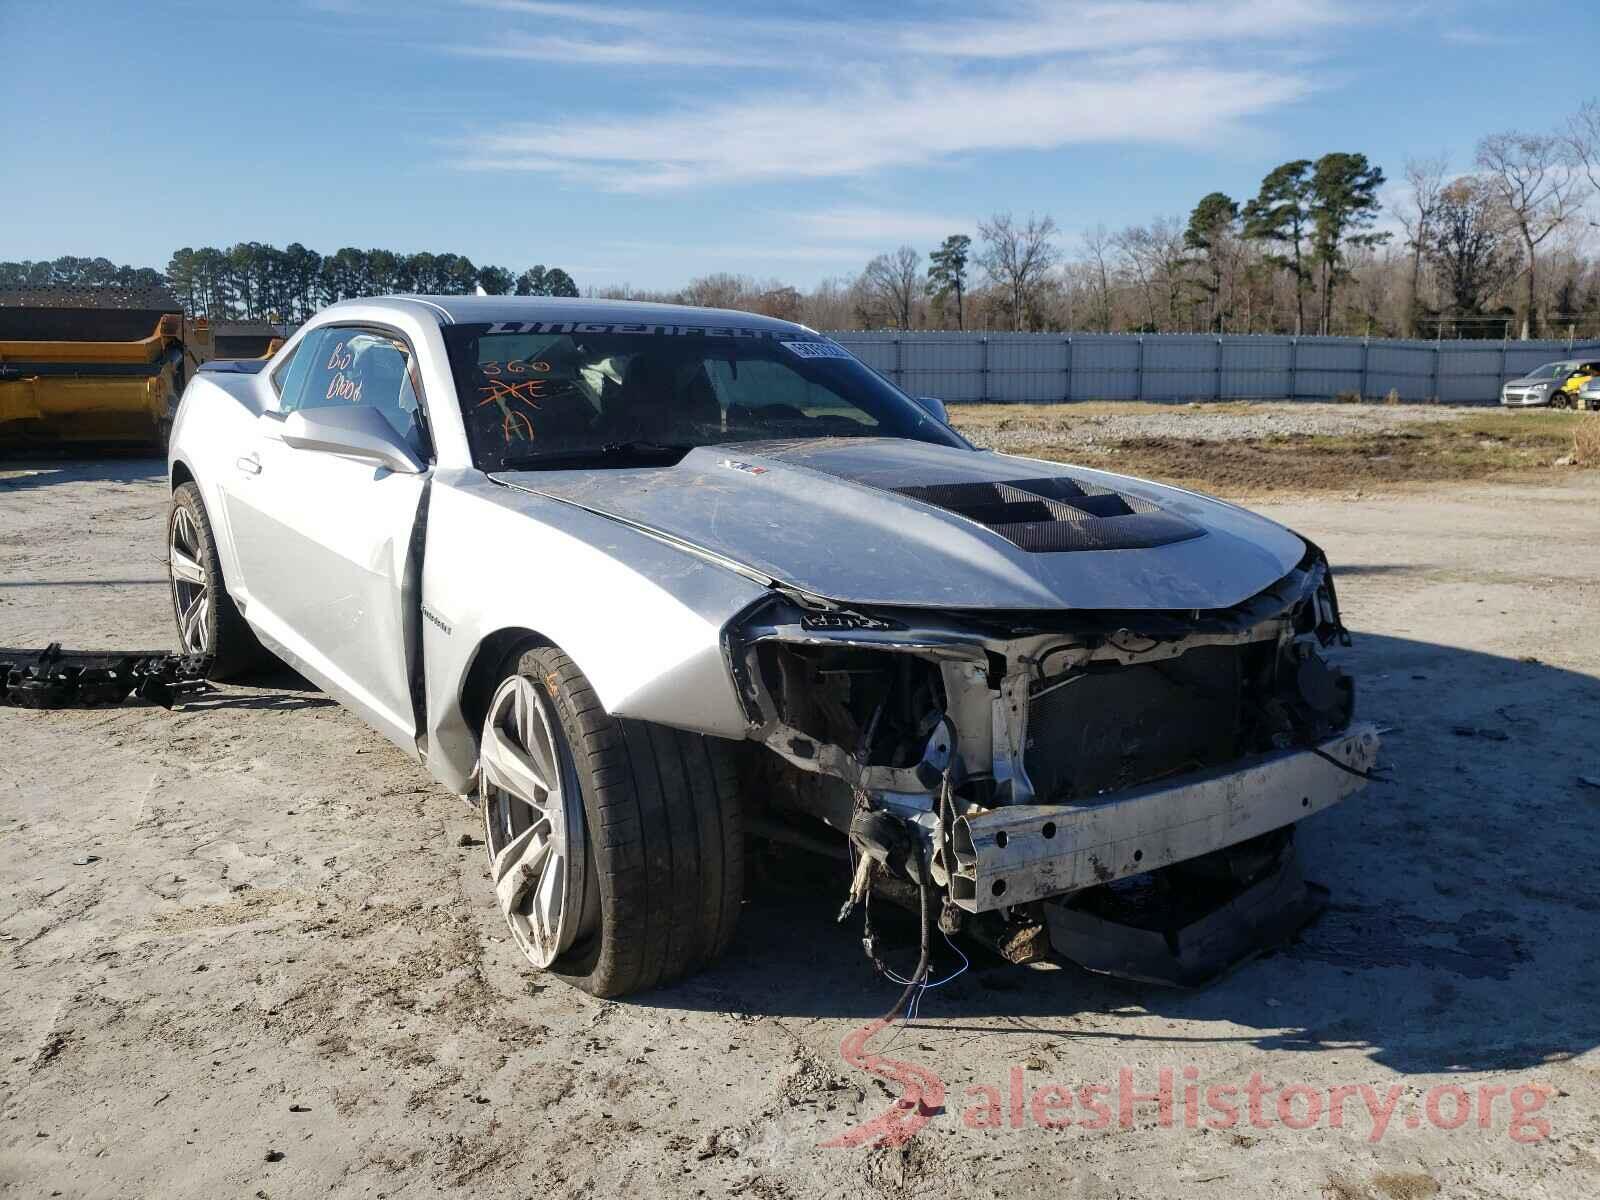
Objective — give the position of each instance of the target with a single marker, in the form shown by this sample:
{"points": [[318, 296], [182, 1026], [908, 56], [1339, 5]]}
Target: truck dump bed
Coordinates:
{"points": [[99, 366]]}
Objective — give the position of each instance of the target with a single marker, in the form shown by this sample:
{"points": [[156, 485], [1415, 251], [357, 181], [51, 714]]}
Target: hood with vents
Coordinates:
{"points": [[883, 521], [1057, 514]]}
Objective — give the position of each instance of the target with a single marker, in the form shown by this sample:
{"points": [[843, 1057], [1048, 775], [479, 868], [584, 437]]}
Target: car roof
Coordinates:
{"points": [[473, 310]]}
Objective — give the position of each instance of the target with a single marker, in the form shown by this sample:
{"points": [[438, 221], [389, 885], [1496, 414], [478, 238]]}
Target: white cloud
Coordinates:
{"points": [[564, 10], [553, 31], [870, 123], [1048, 27], [1017, 30], [600, 52], [846, 97], [595, 34]]}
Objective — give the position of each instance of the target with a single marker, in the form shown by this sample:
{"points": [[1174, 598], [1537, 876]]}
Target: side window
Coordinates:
{"points": [[357, 366]]}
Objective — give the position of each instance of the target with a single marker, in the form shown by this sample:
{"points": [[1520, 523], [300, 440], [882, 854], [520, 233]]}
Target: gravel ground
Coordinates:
{"points": [[249, 949], [1019, 428]]}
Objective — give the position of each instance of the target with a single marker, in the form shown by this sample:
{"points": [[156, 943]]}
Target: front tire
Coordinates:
{"points": [[615, 845], [208, 621]]}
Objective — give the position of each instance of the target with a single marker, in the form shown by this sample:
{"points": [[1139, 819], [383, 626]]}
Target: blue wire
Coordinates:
{"points": [[915, 1007]]}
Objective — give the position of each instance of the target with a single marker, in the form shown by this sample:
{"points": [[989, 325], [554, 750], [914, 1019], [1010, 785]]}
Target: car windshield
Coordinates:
{"points": [[555, 393], [1552, 370]]}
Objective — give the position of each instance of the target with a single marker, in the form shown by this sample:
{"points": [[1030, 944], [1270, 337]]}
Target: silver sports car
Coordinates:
{"points": [[641, 580]]}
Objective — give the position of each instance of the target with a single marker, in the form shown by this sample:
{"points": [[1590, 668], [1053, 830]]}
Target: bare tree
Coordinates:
{"points": [[1583, 141], [1425, 178], [831, 304], [1155, 255], [1134, 245], [779, 299], [1371, 274], [1530, 174], [1096, 245], [721, 290], [1470, 244], [894, 280], [1016, 256]]}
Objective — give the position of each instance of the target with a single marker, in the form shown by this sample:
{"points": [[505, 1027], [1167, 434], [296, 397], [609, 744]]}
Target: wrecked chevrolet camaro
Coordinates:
{"points": [[642, 580]]}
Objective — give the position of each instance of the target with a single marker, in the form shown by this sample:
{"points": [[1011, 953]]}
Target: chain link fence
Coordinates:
{"points": [[1050, 368]]}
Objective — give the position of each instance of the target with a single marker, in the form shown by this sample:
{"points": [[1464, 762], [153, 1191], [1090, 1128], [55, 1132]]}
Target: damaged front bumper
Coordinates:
{"points": [[1025, 852], [1018, 763]]}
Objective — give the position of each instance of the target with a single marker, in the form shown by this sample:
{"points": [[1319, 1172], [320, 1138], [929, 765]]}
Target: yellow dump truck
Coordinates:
{"points": [[102, 367]]}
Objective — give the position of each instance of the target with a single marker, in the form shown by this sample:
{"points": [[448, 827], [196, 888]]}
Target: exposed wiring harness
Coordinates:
{"points": [[917, 985], [919, 868], [919, 977], [925, 986]]}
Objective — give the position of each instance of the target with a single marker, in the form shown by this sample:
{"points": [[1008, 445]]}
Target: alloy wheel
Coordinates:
{"points": [[191, 593], [533, 821]]}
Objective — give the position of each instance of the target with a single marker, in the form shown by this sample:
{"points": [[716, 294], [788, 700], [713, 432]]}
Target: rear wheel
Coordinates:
{"points": [[615, 845], [208, 622]]}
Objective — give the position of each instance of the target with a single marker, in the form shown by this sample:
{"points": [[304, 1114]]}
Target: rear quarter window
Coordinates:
{"points": [[289, 375]]}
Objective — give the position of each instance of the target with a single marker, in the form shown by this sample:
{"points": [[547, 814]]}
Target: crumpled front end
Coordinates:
{"points": [[1012, 762]]}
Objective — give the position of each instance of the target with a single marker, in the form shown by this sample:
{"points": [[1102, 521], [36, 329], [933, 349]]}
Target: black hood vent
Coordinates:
{"points": [[1055, 514]]}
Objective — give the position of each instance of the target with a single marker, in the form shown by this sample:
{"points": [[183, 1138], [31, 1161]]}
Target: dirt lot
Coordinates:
{"points": [[244, 951]]}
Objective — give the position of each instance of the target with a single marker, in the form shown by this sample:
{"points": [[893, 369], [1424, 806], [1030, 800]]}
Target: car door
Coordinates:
{"points": [[325, 542]]}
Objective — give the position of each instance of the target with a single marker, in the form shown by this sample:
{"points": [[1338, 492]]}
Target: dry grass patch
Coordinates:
{"points": [[1474, 446], [1586, 442]]}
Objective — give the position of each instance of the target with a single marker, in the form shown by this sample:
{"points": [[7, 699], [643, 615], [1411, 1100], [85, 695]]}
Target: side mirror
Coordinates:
{"points": [[353, 430], [936, 408]]}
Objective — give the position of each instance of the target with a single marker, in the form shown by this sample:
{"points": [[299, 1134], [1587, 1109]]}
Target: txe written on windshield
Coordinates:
{"points": [[557, 395]]}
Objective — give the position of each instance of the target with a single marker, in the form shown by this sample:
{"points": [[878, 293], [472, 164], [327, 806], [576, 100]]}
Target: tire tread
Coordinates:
{"points": [[235, 648], [664, 834]]}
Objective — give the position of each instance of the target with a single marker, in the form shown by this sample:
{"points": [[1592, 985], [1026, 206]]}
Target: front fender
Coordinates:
{"points": [[642, 619]]}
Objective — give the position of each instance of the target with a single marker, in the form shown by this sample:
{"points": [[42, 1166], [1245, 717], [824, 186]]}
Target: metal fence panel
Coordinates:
{"points": [[879, 351], [1180, 366], [1027, 368], [1522, 357], [1256, 368], [950, 368], [1405, 368], [1051, 367], [1103, 368], [1326, 367], [1470, 372]]}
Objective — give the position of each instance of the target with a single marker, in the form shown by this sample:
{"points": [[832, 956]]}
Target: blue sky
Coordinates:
{"points": [[642, 143]]}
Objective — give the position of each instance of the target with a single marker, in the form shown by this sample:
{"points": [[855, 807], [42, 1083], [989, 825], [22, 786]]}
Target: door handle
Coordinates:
{"points": [[249, 464]]}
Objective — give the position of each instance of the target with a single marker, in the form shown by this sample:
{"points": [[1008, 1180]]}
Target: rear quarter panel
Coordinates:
{"points": [[214, 426]]}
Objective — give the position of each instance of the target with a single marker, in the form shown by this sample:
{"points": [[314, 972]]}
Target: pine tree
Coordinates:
{"points": [[1344, 201], [947, 271], [1281, 213]]}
